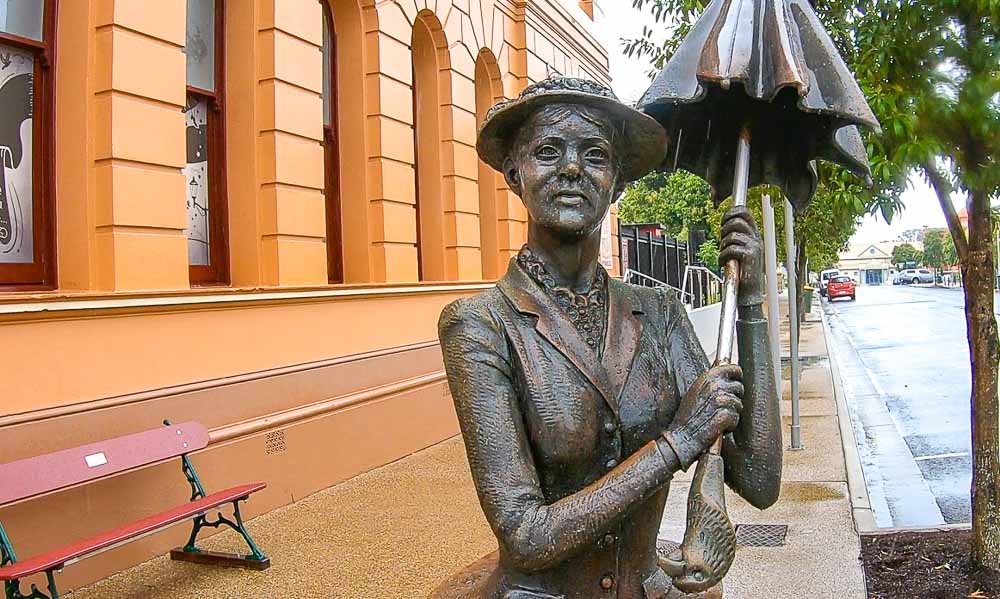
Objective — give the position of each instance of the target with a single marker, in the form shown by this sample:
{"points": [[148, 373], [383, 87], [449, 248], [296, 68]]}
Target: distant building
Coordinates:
{"points": [[963, 218], [871, 263]]}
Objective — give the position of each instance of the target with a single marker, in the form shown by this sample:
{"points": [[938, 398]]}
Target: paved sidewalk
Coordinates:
{"points": [[820, 557], [397, 531]]}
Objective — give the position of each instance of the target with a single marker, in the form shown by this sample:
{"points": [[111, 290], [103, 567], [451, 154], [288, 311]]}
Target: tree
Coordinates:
{"points": [[931, 72], [936, 67], [939, 250], [708, 254], [905, 253], [679, 201], [913, 234]]}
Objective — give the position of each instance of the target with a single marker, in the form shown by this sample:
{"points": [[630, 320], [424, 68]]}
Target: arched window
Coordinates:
{"points": [[27, 34], [488, 93], [331, 151], [427, 151], [204, 113]]}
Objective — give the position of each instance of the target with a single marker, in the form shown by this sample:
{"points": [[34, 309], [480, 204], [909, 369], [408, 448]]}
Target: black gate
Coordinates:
{"points": [[655, 260]]}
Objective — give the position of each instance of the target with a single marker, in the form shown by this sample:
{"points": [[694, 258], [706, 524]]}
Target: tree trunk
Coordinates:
{"points": [[977, 270]]}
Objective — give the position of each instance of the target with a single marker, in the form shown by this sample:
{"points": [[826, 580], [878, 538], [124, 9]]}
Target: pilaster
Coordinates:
{"points": [[290, 153], [139, 146]]}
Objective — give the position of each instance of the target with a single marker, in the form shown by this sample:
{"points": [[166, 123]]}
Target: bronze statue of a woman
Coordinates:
{"points": [[580, 396]]}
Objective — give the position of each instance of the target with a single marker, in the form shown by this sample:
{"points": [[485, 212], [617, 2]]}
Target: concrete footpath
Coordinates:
{"points": [[397, 531], [821, 551]]}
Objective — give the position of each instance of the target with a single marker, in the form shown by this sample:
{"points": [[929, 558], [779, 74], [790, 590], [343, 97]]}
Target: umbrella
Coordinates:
{"points": [[768, 66], [754, 94]]}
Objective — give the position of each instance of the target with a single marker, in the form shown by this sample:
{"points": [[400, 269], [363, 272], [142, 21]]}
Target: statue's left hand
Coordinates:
{"points": [[741, 242]]}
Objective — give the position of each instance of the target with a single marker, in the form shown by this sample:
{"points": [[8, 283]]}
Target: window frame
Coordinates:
{"points": [[217, 272], [40, 273], [331, 160], [416, 167]]}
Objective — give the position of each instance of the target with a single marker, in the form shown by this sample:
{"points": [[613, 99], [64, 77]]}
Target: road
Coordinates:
{"points": [[904, 360]]}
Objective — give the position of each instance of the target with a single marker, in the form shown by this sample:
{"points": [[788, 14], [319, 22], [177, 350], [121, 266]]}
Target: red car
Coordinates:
{"points": [[840, 286]]}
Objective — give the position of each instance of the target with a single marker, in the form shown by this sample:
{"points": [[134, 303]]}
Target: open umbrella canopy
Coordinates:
{"points": [[771, 65]]}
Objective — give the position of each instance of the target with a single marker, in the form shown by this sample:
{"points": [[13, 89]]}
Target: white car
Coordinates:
{"points": [[914, 276], [824, 279]]}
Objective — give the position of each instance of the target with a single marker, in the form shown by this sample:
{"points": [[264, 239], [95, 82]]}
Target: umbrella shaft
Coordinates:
{"points": [[731, 279]]}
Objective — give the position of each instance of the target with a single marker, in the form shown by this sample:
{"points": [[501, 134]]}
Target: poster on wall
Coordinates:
{"points": [[196, 172], [607, 244], [16, 122]]}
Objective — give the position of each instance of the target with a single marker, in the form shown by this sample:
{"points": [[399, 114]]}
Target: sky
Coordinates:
{"points": [[629, 77]]}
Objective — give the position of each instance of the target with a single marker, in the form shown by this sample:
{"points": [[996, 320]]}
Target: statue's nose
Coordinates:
{"points": [[571, 168]]}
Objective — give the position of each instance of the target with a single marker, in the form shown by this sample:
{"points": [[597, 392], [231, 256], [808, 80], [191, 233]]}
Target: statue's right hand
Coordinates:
{"points": [[709, 409]]}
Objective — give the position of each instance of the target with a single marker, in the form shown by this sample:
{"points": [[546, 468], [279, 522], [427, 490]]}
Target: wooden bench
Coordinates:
{"points": [[31, 477]]}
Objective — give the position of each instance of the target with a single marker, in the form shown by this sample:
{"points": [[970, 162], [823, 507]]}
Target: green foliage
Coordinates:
{"points": [[708, 254], [905, 252], [679, 201], [939, 250], [931, 72]]}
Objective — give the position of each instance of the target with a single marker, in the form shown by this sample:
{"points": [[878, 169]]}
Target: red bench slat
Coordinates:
{"points": [[59, 557], [40, 474]]}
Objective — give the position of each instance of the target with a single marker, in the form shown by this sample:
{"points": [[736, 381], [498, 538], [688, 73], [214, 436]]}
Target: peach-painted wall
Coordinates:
{"points": [[123, 341], [139, 147], [491, 185], [120, 193]]}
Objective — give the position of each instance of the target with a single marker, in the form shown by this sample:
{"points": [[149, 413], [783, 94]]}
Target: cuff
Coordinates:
{"points": [[683, 447]]}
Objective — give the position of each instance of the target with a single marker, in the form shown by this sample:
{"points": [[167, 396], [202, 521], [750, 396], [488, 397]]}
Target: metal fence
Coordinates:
{"points": [[655, 261]]}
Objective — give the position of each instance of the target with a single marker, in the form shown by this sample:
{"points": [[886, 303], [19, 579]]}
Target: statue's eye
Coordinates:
{"points": [[547, 153], [596, 156]]}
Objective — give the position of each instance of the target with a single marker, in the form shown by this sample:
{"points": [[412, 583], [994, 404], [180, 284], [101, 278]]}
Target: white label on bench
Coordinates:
{"points": [[96, 459]]}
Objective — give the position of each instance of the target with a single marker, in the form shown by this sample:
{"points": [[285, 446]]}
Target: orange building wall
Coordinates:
{"points": [[350, 375]]}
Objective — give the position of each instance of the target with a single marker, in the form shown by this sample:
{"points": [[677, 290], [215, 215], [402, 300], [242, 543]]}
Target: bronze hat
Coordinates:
{"points": [[645, 140]]}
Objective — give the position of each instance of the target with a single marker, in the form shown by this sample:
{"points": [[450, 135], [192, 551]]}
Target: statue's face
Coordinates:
{"points": [[564, 167]]}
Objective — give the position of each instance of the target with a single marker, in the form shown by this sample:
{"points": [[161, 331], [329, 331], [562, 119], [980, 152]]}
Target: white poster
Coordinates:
{"points": [[16, 153], [607, 244], [196, 172]]}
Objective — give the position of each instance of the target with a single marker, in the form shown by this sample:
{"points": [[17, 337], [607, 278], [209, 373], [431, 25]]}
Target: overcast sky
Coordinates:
{"points": [[630, 79]]}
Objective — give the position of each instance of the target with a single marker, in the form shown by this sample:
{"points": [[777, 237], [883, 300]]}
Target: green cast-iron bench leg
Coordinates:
{"points": [[255, 560], [12, 588]]}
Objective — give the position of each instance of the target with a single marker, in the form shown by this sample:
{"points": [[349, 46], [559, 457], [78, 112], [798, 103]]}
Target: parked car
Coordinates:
{"points": [[840, 286], [824, 279], [914, 276]]}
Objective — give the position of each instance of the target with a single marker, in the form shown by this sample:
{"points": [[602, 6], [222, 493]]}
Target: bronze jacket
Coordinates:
{"points": [[562, 443]]}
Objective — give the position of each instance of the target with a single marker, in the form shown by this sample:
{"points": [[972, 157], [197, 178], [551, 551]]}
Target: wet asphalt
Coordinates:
{"points": [[904, 360]]}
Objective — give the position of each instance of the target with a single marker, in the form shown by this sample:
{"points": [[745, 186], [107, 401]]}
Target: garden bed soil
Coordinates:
{"points": [[925, 565]]}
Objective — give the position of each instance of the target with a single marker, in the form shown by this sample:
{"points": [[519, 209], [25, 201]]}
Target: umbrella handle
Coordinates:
{"points": [[709, 545]]}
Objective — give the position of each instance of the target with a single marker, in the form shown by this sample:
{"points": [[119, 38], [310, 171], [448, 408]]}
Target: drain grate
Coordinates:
{"points": [[761, 535]]}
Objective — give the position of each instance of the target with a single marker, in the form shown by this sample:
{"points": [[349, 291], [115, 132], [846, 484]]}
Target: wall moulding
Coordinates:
{"points": [[76, 305], [220, 433]]}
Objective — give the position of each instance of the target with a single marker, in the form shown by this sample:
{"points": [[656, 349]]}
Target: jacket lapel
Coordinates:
{"points": [[552, 324], [622, 337]]}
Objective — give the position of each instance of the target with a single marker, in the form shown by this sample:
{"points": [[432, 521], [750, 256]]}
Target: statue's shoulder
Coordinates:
{"points": [[648, 298], [474, 311]]}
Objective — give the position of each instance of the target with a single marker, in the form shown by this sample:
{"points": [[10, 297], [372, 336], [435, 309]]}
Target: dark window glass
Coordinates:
{"points": [[331, 152], [26, 219], [201, 44], [204, 115], [23, 18]]}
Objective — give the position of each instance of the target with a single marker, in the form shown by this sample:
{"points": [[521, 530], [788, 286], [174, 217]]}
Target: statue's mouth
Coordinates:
{"points": [[570, 198]]}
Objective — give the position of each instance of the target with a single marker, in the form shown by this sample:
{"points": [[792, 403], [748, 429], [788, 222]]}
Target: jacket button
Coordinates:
{"points": [[609, 539], [607, 582], [612, 463], [609, 427]]}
